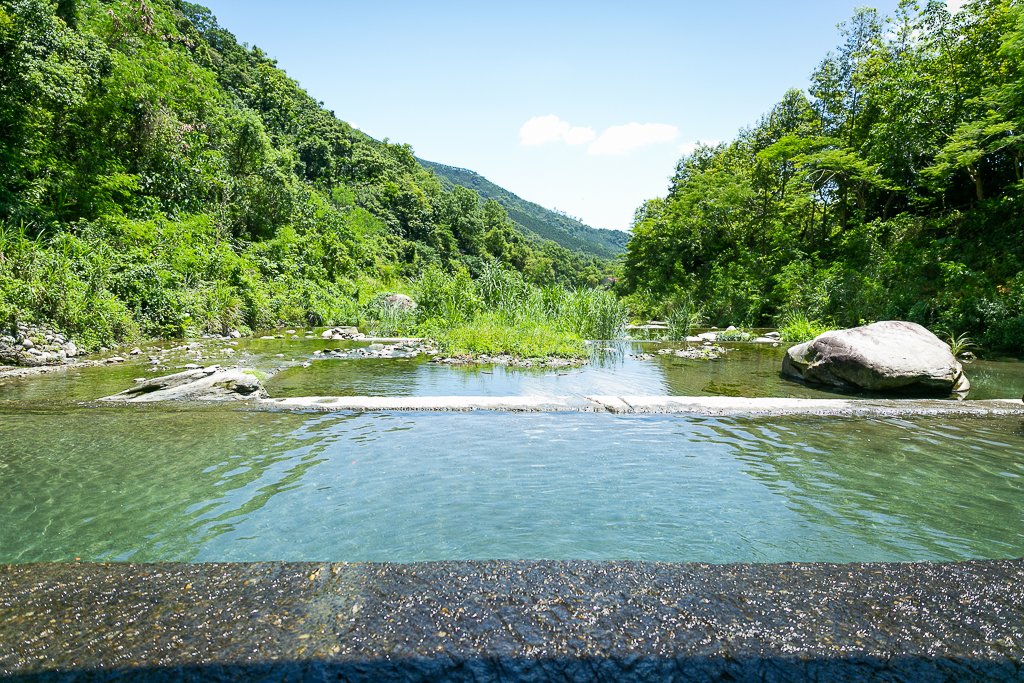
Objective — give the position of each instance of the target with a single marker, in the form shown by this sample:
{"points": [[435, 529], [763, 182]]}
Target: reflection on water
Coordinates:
{"points": [[746, 370], [221, 484]]}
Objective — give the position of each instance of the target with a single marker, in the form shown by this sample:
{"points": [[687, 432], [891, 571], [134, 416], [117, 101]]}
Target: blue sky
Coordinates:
{"points": [[580, 106]]}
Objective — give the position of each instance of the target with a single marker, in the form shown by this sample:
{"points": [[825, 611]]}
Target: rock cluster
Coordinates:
{"points": [[707, 352], [341, 333], [402, 349], [510, 361], [31, 345], [768, 338]]}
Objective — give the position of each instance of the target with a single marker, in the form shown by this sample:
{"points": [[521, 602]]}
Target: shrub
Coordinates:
{"points": [[449, 298], [797, 327]]}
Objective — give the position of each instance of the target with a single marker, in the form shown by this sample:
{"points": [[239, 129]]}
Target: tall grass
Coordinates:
{"points": [[682, 315], [500, 313], [797, 327]]}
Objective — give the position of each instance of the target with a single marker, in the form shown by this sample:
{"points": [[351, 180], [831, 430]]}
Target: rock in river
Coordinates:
{"points": [[892, 355], [204, 384]]}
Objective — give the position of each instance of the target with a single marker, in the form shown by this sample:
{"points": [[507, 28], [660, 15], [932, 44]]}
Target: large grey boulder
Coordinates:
{"points": [[204, 384], [893, 355]]}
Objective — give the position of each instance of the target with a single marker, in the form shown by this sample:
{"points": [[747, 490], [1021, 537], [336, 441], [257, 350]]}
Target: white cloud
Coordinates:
{"points": [[954, 5], [688, 147], [578, 136], [623, 139], [542, 129]]}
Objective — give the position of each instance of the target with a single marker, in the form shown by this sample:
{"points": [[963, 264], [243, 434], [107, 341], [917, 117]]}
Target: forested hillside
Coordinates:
{"points": [[535, 220], [891, 189], [159, 178]]}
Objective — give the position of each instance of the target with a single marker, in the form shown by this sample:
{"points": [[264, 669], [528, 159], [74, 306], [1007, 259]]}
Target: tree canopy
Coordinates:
{"points": [[892, 188]]}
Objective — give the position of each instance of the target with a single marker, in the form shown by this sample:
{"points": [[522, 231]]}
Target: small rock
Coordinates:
{"points": [[191, 366], [135, 352], [235, 334], [268, 337], [114, 359], [27, 344]]}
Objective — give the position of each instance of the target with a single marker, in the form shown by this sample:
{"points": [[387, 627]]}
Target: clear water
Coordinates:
{"points": [[746, 370], [221, 484]]}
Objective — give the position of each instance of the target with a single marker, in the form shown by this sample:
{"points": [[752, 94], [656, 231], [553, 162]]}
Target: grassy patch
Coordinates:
{"points": [[489, 334], [797, 327]]}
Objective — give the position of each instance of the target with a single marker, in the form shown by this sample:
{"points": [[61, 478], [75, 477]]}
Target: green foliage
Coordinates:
{"points": [[492, 335], [732, 335], [389, 320], [959, 343], [796, 327], [448, 298], [894, 188], [157, 178]]}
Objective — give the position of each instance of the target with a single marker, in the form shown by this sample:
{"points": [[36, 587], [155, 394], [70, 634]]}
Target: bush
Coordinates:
{"points": [[448, 298], [797, 327]]}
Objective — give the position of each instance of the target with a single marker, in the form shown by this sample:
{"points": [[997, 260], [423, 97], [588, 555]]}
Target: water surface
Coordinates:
{"points": [[218, 484]]}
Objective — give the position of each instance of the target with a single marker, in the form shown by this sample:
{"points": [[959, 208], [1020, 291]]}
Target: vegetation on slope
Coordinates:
{"points": [[159, 178], [534, 219], [893, 189]]}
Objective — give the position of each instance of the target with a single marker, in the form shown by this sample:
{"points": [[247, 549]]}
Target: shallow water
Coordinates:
{"points": [[745, 370], [230, 483], [219, 484]]}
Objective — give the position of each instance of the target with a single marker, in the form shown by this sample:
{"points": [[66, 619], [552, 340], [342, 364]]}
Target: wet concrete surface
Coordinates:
{"points": [[513, 621], [701, 405]]}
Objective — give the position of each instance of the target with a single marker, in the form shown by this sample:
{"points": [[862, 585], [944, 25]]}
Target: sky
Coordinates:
{"points": [[584, 107]]}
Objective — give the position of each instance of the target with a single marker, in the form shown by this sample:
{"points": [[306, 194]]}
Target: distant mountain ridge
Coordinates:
{"points": [[534, 219]]}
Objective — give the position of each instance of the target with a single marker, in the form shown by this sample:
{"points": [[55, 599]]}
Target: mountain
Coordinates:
{"points": [[160, 178], [534, 219]]}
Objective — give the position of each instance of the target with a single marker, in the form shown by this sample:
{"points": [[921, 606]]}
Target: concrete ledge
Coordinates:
{"points": [[702, 405], [433, 403], [513, 621]]}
